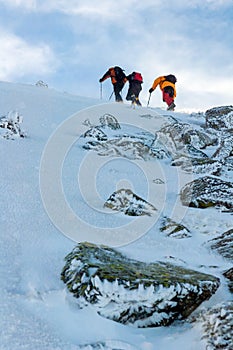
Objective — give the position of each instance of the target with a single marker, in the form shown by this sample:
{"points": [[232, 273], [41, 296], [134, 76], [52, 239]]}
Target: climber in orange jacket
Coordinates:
{"points": [[167, 85], [118, 79]]}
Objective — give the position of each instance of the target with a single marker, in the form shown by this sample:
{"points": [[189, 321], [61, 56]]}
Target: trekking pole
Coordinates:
{"points": [[101, 91], [111, 95], [148, 100]]}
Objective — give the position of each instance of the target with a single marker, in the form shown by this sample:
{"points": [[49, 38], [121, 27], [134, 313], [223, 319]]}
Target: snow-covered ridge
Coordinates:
{"points": [[36, 310]]}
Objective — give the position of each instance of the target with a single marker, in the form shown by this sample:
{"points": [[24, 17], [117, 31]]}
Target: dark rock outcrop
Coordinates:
{"points": [[208, 192], [133, 292]]}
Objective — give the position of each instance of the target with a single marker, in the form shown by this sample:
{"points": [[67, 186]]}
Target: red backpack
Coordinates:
{"points": [[138, 77]]}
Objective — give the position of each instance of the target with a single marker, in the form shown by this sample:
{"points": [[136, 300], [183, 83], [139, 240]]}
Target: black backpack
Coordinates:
{"points": [[119, 73], [171, 78]]}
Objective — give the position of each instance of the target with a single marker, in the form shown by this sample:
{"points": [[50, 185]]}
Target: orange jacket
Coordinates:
{"points": [[163, 83], [111, 74]]}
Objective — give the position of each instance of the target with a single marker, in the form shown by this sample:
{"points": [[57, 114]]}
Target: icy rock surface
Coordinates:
{"points": [[208, 192], [133, 292], [124, 200], [219, 117], [217, 326]]}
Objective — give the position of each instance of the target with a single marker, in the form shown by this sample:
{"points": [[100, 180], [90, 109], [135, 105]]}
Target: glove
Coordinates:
{"points": [[151, 90], [101, 80]]}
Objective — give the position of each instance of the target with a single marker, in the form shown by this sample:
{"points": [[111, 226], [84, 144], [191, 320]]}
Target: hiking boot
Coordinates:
{"points": [[171, 107]]}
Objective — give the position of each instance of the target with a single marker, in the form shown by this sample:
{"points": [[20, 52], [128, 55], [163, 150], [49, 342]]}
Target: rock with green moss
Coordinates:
{"points": [[133, 292], [208, 192]]}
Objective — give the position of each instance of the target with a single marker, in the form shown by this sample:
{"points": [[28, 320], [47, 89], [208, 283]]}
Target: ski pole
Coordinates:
{"points": [[101, 91], [111, 95], [148, 100]]}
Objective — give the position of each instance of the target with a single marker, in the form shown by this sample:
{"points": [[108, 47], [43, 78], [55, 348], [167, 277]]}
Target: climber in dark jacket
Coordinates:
{"points": [[135, 86]]}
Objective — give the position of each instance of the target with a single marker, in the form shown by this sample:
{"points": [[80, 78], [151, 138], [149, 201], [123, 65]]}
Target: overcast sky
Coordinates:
{"points": [[69, 44]]}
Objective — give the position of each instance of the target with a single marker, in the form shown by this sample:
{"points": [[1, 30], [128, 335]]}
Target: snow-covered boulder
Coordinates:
{"points": [[124, 200], [219, 117], [133, 292], [208, 192], [217, 326]]}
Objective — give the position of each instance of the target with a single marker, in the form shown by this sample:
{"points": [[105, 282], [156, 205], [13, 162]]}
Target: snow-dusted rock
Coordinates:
{"points": [[110, 121], [108, 345], [11, 123], [125, 146], [217, 326], [133, 292], [173, 229], [124, 200], [181, 139], [223, 245], [41, 83], [225, 148], [229, 276], [208, 192], [95, 133], [219, 117], [203, 165]]}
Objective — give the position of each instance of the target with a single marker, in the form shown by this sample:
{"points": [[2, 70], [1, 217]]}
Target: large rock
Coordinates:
{"points": [[208, 192], [219, 117], [133, 292]]}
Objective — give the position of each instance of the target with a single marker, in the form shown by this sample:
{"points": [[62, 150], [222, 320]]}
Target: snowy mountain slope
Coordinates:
{"points": [[36, 310]]}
